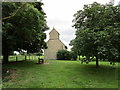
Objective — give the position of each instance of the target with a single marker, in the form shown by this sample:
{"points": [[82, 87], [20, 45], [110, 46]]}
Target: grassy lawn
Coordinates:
{"points": [[60, 74]]}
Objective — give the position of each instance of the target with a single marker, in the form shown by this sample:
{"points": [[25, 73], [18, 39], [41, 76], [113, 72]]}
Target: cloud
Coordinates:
{"points": [[60, 15]]}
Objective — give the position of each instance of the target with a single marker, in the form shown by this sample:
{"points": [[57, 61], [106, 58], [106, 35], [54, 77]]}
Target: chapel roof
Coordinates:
{"points": [[54, 30]]}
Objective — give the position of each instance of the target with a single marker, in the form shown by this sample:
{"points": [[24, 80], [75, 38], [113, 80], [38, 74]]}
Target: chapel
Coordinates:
{"points": [[54, 44]]}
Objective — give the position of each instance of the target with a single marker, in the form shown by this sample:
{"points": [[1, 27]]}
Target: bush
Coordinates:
{"points": [[73, 56], [66, 55], [63, 55]]}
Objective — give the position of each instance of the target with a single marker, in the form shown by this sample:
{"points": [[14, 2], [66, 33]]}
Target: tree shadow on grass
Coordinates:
{"points": [[104, 72], [8, 74], [11, 68], [104, 76], [21, 64]]}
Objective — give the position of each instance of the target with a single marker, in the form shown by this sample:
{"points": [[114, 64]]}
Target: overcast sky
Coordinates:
{"points": [[60, 15]]}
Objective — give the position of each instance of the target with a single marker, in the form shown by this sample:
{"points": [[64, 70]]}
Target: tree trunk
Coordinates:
{"points": [[25, 57], [5, 58], [97, 64], [78, 57]]}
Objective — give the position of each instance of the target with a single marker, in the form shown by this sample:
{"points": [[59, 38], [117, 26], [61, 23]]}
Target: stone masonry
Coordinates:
{"points": [[54, 44]]}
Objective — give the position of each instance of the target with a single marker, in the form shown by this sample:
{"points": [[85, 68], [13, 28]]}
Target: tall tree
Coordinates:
{"points": [[98, 31], [23, 27]]}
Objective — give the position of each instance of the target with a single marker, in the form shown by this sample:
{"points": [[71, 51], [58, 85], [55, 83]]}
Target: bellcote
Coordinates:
{"points": [[54, 34]]}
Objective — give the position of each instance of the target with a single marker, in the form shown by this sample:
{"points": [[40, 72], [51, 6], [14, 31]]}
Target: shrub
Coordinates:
{"points": [[73, 56], [63, 55]]}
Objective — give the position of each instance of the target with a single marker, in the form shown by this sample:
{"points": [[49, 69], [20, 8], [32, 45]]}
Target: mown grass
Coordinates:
{"points": [[62, 74]]}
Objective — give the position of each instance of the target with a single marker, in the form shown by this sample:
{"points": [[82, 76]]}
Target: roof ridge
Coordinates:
{"points": [[54, 29]]}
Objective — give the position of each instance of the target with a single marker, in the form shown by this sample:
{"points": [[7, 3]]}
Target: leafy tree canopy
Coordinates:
{"points": [[97, 32], [23, 27]]}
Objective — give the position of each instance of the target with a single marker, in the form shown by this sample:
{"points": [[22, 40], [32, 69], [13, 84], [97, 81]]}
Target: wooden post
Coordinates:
{"points": [[35, 57], [16, 58], [29, 56], [32, 57]]}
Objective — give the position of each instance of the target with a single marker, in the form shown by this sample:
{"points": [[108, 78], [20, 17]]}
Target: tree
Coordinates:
{"points": [[98, 31], [23, 27]]}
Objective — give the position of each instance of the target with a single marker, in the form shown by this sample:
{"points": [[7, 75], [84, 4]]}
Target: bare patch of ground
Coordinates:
{"points": [[9, 75]]}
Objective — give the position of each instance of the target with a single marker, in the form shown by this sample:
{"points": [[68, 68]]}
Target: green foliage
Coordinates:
{"points": [[66, 55], [24, 27], [98, 32], [39, 54], [73, 55], [63, 55]]}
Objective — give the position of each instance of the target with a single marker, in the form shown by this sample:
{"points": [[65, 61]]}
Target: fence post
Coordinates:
{"points": [[29, 56], [16, 58], [35, 57]]}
